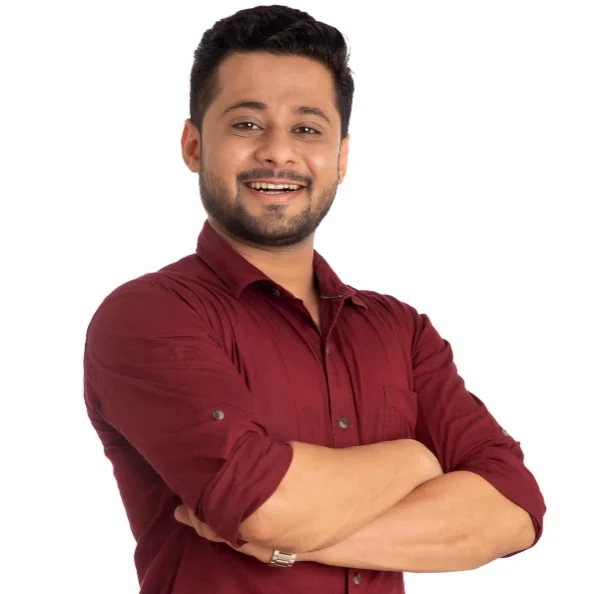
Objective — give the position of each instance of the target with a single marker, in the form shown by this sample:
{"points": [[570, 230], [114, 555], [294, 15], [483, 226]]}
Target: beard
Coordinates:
{"points": [[273, 228]]}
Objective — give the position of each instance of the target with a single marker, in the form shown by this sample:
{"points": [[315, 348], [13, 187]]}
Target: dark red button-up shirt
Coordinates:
{"points": [[197, 376]]}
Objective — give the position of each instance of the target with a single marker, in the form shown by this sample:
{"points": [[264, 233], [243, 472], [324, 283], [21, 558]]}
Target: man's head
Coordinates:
{"points": [[270, 101]]}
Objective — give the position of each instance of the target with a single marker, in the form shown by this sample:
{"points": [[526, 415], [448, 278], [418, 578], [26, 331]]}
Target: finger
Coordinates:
{"points": [[186, 516], [202, 529], [181, 515], [259, 552], [195, 522], [191, 516]]}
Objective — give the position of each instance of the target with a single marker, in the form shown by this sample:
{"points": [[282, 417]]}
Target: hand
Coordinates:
{"points": [[186, 516]]}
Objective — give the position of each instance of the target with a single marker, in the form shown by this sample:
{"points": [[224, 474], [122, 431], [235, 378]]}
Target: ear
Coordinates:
{"points": [[343, 157], [190, 142]]}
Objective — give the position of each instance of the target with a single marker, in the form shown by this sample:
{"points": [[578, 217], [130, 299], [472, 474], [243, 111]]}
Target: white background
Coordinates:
{"points": [[469, 195]]}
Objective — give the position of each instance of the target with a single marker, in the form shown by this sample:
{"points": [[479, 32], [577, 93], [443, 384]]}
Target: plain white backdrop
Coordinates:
{"points": [[471, 187]]}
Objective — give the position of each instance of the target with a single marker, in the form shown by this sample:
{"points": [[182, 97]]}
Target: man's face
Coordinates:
{"points": [[274, 120]]}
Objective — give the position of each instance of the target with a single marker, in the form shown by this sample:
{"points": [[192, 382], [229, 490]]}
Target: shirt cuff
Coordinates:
{"points": [[247, 480]]}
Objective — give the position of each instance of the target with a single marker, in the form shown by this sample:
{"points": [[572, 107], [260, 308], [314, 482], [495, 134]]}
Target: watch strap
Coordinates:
{"points": [[282, 559]]}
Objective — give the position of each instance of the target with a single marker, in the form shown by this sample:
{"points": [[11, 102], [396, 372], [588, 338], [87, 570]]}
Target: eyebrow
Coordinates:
{"points": [[259, 106]]}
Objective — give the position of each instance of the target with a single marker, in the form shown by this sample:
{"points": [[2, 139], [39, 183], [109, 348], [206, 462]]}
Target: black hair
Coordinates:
{"points": [[278, 30]]}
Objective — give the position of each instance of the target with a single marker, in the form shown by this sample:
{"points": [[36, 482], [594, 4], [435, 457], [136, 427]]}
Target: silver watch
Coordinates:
{"points": [[281, 559]]}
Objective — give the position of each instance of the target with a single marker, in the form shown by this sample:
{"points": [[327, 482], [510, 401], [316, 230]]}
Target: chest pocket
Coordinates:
{"points": [[400, 413]]}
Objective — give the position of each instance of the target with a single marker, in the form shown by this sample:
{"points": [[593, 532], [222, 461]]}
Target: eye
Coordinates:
{"points": [[246, 126], [307, 130]]}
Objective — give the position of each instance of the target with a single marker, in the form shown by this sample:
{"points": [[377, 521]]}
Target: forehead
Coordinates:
{"points": [[275, 80]]}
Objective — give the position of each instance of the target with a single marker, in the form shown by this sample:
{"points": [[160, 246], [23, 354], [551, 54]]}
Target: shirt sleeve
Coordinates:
{"points": [[457, 426], [156, 373]]}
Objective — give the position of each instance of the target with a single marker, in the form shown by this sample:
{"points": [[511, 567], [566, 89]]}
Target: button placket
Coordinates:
{"points": [[343, 415]]}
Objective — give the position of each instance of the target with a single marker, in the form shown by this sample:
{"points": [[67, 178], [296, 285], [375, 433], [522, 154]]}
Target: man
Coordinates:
{"points": [[272, 429]]}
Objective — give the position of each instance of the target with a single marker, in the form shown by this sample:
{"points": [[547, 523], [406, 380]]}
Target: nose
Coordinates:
{"points": [[276, 148]]}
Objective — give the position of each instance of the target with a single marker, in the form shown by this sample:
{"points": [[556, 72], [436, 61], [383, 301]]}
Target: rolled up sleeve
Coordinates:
{"points": [[457, 426], [156, 373]]}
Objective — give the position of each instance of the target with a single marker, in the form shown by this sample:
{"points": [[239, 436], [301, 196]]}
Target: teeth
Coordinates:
{"points": [[265, 186]]}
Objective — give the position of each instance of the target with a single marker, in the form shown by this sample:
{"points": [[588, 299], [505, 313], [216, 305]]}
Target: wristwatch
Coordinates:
{"points": [[281, 559]]}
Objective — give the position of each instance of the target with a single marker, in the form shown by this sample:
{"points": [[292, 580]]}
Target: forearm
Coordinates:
{"points": [[327, 494], [455, 522]]}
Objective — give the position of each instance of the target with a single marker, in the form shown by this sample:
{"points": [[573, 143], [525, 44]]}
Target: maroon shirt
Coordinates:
{"points": [[197, 376]]}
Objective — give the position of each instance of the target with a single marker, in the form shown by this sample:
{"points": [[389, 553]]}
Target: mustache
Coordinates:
{"points": [[283, 175]]}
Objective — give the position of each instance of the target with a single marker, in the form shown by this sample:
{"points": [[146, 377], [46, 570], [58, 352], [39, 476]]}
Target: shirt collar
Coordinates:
{"points": [[237, 273]]}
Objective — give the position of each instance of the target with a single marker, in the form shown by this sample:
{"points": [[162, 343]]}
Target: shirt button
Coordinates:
{"points": [[276, 292], [357, 579], [218, 415], [329, 350], [343, 423]]}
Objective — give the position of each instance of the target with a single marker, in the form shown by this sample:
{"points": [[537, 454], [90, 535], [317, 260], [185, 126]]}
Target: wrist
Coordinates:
{"points": [[312, 557]]}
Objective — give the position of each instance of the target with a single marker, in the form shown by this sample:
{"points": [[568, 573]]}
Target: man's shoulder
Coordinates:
{"points": [[180, 282], [187, 272]]}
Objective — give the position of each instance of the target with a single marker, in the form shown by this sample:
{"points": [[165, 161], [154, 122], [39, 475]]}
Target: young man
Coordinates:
{"points": [[272, 429]]}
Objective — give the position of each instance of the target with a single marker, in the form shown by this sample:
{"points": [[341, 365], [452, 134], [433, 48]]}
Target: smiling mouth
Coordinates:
{"points": [[272, 189]]}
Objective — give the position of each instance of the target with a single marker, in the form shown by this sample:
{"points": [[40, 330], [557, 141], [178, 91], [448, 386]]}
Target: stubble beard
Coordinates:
{"points": [[272, 229]]}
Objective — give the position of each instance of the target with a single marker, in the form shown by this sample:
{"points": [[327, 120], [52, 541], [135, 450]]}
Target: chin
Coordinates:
{"points": [[275, 235]]}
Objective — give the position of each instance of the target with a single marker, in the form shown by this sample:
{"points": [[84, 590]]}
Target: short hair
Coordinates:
{"points": [[279, 30]]}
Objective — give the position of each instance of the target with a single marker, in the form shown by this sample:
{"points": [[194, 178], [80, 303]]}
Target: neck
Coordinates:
{"points": [[289, 266]]}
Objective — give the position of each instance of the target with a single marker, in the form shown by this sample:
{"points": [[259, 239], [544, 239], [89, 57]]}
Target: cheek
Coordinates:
{"points": [[323, 162], [227, 157]]}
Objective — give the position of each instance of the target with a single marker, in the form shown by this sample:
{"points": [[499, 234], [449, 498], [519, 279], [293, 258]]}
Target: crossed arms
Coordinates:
{"points": [[403, 505], [450, 523]]}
